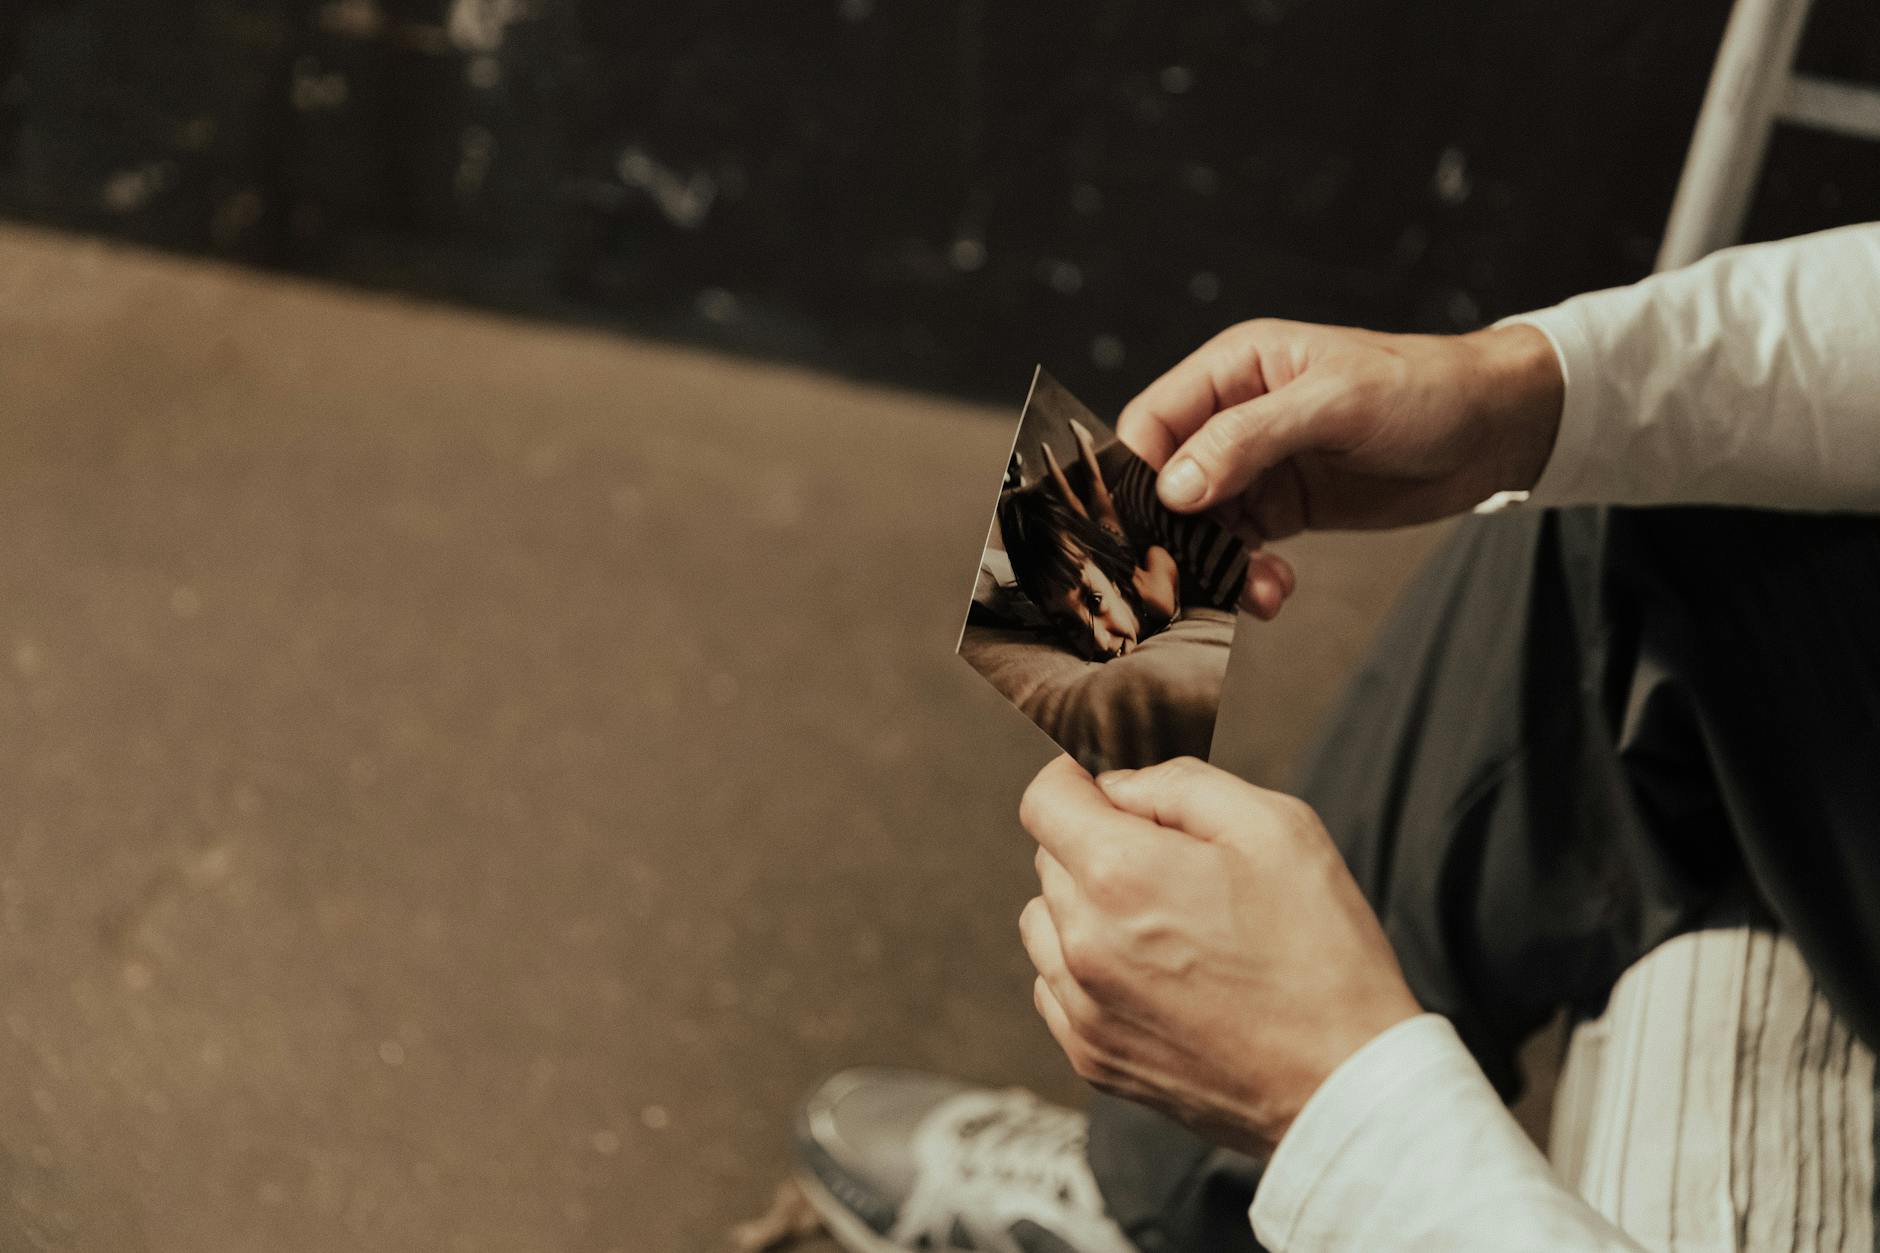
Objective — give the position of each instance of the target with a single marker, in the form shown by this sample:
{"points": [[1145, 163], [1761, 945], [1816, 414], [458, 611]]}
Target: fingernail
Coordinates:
{"points": [[1113, 776], [1183, 483]]}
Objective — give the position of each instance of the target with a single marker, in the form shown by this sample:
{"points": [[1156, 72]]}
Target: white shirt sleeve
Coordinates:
{"points": [[1406, 1146], [1749, 378]]}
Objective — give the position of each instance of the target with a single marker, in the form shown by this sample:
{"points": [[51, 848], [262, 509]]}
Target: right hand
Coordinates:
{"points": [[1282, 426], [1201, 946]]}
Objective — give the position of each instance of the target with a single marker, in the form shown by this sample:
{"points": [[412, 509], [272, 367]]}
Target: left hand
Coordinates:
{"points": [[1201, 947]]}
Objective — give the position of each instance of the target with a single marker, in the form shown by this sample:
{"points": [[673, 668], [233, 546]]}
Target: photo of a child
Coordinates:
{"points": [[1105, 618]]}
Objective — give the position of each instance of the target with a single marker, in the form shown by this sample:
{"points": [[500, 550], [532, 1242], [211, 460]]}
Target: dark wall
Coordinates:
{"points": [[935, 193]]}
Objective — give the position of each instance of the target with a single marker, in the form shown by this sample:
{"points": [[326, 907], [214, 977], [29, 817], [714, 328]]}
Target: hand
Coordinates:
{"points": [[1281, 426], [1200, 946]]}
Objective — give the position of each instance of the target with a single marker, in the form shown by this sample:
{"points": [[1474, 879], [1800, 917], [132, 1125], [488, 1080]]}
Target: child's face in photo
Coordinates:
{"points": [[1095, 617]]}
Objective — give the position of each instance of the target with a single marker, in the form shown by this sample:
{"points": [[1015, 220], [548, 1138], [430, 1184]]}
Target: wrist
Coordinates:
{"points": [[1521, 391], [1339, 1047]]}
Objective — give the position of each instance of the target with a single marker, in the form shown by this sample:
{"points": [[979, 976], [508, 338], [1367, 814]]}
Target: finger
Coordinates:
{"points": [[1063, 484], [1288, 577], [1210, 379], [1100, 498], [1269, 582], [1056, 1021], [1188, 796], [1055, 887], [1237, 445], [1071, 819], [1261, 596], [1086, 449], [1039, 935]]}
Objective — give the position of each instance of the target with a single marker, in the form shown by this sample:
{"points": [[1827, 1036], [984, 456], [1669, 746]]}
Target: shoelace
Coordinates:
{"points": [[995, 1157], [1023, 1142]]}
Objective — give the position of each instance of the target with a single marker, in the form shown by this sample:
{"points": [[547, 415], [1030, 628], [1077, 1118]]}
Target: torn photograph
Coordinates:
{"points": [[1105, 618]]}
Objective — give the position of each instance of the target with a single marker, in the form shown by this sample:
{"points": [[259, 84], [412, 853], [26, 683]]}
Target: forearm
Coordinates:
{"points": [[1406, 1146], [1750, 378]]}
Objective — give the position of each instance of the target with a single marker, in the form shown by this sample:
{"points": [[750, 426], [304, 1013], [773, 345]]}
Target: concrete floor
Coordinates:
{"points": [[465, 779]]}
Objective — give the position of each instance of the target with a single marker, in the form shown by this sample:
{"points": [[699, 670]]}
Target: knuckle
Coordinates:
{"points": [[1183, 769], [1084, 961], [1085, 1065], [1110, 882], [1301, 819], [1291, 831], [1232, 341], [1181, 774], [1165, 773], [1288, 810]]}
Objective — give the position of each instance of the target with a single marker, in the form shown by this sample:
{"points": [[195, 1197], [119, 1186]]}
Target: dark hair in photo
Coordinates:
{"points": [[1048, 543]]}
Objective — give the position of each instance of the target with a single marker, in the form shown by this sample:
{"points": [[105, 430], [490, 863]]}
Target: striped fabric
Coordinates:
{"points": [[1720, 1104], [1213, 562]]}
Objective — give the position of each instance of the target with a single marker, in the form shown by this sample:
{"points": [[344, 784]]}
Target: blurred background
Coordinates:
{"points": [[932, 194], [483, 735]]}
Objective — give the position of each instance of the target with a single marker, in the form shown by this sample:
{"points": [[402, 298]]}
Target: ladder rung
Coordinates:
{"points": [[1827, 105]]}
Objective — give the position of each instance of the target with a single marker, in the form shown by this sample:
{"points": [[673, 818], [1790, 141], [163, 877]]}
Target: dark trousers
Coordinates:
{"points": [[1580, 733]]}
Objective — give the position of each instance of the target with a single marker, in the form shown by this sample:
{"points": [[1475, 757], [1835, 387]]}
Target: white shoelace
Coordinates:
{"points": [[988, 1160]]}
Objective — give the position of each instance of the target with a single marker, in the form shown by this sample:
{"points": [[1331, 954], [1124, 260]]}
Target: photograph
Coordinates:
{"points": [[1106, 619]]}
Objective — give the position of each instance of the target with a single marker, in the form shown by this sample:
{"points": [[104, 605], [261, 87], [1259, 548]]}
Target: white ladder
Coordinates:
{"points": [[1753, 86]]}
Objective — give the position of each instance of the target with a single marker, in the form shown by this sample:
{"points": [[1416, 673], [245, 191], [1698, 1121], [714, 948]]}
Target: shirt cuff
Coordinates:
{"points": [[1564, 480], [1388, 1143]]}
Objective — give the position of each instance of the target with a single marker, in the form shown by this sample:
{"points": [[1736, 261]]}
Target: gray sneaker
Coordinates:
{"points": [[896, 1161]]}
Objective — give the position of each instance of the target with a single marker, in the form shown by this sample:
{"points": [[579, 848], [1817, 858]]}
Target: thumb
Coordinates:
{"points": [[1185, 795], [1233, 448]]}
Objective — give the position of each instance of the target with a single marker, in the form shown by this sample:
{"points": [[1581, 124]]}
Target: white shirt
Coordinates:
{"points": [[1750, 378], [1407, 1146]]}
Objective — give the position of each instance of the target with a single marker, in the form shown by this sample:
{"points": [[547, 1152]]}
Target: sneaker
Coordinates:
{"points": [[896, 1161]]}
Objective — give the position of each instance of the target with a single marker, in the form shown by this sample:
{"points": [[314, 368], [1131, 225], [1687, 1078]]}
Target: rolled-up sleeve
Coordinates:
{"points": [[1406, 1146]]}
